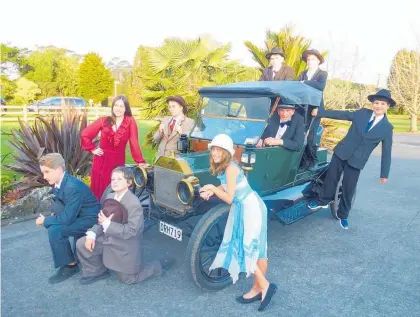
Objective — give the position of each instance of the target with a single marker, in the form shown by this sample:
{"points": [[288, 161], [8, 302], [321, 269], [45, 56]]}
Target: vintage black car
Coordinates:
{"points": [[169, 189]]}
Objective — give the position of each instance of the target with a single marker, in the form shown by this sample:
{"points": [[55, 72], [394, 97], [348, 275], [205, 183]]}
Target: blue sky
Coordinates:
{"points": [[362, 33]]}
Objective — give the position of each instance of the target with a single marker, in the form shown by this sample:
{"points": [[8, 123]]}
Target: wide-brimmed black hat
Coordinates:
{"points": [[274, 51], [179, 100], [284, 106], [383, 94], [312, 52]]}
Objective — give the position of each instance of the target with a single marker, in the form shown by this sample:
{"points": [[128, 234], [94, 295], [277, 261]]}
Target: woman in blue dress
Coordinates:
{"points": [[244, 245]]}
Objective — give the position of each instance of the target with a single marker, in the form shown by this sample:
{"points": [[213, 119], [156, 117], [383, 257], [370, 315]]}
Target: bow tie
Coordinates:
{"points": [[288, 123]]}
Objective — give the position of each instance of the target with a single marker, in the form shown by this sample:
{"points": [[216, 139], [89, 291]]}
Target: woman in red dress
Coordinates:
{"points": [[116, 130]]}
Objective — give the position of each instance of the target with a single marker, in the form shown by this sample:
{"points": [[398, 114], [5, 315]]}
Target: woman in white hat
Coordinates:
{"points": [[244, 245]]}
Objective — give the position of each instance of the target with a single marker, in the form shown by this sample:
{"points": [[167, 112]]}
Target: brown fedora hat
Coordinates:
{"points": [[312, 52], [179, 100], [274, 51], [111, 206]]}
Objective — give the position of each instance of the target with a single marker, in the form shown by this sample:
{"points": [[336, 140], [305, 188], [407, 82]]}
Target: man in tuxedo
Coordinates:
{"points": [[74, 210], [286, 130], [316, 78], [276, 70], [368, 129]]}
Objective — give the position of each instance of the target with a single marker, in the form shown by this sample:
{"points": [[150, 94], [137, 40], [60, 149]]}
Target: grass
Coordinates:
{"points": [[401, 124], [143, 125]]}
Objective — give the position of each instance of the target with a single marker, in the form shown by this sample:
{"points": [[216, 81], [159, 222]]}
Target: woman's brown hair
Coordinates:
{"points": [[218, 168], [128, 113]]}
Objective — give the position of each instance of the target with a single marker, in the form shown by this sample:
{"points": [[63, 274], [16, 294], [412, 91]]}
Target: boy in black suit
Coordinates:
{"points": [[368, 129], [316, 78], [286, 130]]}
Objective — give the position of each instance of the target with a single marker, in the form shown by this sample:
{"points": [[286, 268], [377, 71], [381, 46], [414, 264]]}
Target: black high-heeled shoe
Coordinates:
{"points": [[272, 289], [243, 300]]}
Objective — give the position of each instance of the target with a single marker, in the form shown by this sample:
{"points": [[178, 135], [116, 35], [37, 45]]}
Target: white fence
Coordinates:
{"points": [[27, 114]]}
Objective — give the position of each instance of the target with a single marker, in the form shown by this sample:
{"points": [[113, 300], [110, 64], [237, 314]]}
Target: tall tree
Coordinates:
{"points": [[8, 88], [95, 80], [404, 83], [292, 45]]}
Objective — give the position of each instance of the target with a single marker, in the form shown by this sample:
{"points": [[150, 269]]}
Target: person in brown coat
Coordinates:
{"points": [[116, 245], [277, 70], [173, 126]]}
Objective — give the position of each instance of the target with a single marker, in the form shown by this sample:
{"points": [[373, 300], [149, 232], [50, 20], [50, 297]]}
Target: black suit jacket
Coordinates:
{"points": [[285, 73], [293, 138], [72, 200], [357, 145], [318, 81]]}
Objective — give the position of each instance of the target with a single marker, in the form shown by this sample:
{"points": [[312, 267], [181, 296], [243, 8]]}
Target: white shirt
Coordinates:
{"points": [[310, 73], [57, 185], [92, 235], [377, 120], [281, 131]]}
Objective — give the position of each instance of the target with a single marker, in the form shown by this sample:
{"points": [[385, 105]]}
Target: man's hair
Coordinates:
{"points": [[52, 160], [126, 171]]}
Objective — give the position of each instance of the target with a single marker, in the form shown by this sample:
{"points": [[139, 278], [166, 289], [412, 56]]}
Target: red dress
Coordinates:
{"points": [[113, 145]]}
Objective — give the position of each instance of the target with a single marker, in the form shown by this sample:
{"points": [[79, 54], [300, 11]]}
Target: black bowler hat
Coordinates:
{"points": [[112, 206], [383, 94], [275, 51], [312, 52]]}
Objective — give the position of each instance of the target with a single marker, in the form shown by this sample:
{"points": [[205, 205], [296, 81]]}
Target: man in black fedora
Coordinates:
{"points": [[368, 129], [316, 78], [286, 130], [277, 70]]}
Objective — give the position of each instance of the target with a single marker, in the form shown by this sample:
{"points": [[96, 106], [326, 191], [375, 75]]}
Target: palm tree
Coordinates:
{"points": [[292, 46]]}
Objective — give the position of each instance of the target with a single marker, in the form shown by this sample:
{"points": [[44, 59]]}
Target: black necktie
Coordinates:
{"points": [[288, 123], [370, 124]]}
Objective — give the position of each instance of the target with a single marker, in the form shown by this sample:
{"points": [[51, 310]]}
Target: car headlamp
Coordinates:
{"points": [[187, 189]]}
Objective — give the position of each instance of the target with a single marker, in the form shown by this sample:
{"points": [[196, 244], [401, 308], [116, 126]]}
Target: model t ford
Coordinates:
{"points": [[169, 189]]}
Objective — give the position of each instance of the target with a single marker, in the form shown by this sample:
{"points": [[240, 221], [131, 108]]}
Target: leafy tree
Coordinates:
{"points": [[95, 81], [53, 71], [8, 88], [404, 83], [292, 46], [26, 91]]}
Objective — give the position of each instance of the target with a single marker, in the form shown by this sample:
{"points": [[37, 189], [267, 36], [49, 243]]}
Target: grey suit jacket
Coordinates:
{"points": [[294, 136], [168, 141], [358, 144], [285, 73], [122, 242]]}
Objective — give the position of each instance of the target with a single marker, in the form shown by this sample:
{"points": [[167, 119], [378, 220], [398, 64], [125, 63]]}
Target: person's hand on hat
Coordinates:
{"points": [[314, 112], [102, 218], [89, 244]]}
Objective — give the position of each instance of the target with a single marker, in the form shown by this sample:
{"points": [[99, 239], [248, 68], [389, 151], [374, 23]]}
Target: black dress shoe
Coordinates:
{"points": [[272, 289], [63, 273], [243, 300]]}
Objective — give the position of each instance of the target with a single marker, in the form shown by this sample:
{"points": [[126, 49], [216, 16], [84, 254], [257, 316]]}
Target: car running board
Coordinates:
{"points": [[294, 213]]}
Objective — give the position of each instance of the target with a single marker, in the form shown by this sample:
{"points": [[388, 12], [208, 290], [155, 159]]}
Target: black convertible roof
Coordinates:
{"points": [[290, 92]]}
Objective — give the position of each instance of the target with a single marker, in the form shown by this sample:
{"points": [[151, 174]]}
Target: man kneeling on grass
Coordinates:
{"points": [[74, 210]]}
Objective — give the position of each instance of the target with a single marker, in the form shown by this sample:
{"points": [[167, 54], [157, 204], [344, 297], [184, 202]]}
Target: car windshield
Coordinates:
{"points": [[242, 118]]}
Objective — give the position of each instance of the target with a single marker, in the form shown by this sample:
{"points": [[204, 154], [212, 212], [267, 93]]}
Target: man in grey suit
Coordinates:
{"points": [[368, 129], [117, 246], [277, 70]]}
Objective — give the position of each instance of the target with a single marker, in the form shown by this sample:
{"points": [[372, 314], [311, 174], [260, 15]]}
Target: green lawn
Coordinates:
{"points": [[401, 124], [143, 125]]}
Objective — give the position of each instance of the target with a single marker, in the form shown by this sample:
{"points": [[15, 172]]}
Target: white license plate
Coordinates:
{"points": [[170, 230]]}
